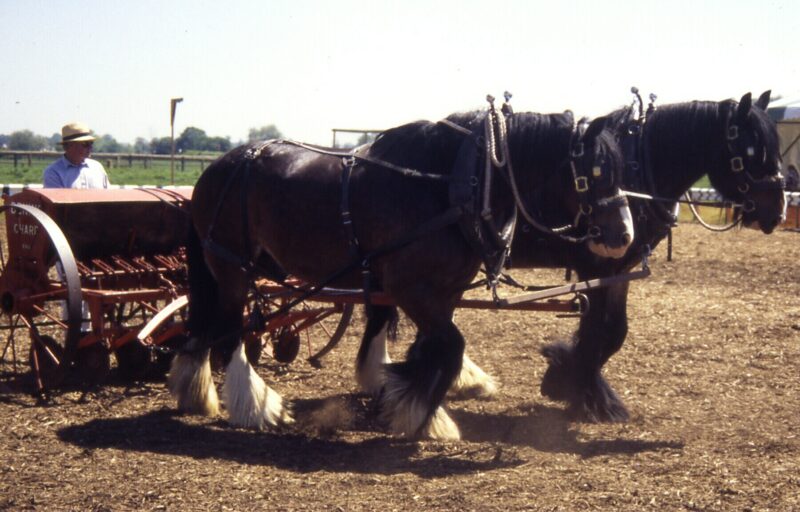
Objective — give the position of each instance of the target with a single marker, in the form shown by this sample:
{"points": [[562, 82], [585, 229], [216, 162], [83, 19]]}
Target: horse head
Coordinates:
{"points": [[597, 166], [753, 177]]}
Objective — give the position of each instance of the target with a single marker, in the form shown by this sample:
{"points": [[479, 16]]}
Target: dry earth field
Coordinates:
{"points": [[710, 372]]}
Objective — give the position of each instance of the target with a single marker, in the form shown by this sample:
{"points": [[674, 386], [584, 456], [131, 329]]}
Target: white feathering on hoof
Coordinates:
{"points": [[250, 402], [442, 427], [406, 413], [472, 381], [191, 384], [371, 376]]}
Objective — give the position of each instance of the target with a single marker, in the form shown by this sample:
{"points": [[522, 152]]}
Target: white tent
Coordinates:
{"points": [[785, 108]]}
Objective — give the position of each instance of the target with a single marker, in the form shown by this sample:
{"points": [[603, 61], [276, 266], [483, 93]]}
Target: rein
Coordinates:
{"points": [[738, 217], [355, 154]]}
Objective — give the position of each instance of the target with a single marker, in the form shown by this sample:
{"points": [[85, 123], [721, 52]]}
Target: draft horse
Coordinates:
{"points": [[545, 144], [667, 151], [414, 215]]}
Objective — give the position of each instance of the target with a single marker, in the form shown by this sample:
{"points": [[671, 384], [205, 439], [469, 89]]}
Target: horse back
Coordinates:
{"points": [[288, 204]]}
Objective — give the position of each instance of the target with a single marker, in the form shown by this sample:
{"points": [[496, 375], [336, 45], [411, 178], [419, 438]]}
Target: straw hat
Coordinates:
{"points": [[76, 132]]}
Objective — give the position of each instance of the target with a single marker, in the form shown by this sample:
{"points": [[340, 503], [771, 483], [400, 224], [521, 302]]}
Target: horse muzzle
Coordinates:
{"points": [[614, 238], [766, 214]]}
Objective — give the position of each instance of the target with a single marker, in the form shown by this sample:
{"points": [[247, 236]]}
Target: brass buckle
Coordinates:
{"points": [[582, 184], [737, 164]]}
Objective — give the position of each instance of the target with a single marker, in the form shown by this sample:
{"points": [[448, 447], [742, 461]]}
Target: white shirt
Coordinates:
{"points": [[64, 174]]}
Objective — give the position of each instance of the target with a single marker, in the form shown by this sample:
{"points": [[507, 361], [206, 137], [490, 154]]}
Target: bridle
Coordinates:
{"points": [[586, 205], [744, 181], [498, 152], [746, 184]]}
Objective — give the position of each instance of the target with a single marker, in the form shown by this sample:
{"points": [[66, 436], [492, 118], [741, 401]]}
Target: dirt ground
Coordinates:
{"points": [[710, 372]]}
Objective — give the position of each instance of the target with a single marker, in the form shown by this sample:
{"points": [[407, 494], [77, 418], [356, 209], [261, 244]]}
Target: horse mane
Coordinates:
{"points": [[543, 138]]}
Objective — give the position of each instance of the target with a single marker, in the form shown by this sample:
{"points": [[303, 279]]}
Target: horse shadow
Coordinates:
{"points": [[302, 448], [315, 442], [547, 429]]}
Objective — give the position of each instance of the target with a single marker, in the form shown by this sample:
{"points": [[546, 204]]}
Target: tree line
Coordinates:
{"points": [[192, 139]]}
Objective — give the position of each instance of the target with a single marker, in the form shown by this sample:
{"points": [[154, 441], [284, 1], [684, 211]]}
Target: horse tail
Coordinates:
{"points": [[203, 288]]}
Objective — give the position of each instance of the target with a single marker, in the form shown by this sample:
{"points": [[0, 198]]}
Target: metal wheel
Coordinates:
{"points": [[314, 323], [40, 306], [282, 336], [339, 321]]}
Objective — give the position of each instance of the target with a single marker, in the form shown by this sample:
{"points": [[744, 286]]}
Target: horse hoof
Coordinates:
{"points": [[473, 382], [251, 403], [593, 413], [441, 427]]}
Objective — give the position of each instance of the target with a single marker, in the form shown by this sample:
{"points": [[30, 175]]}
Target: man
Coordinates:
{"points": [[75, 169]]}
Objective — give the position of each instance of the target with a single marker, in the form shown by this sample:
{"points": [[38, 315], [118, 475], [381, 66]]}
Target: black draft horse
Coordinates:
{"points": [[276, 208], [736, 144], [546, 142]]}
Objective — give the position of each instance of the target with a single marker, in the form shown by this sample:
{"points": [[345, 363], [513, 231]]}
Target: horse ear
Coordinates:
{"points": [[763, 100], [744, 106]]}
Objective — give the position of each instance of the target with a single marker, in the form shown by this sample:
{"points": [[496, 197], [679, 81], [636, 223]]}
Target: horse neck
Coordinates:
{"points": [[681, 144]]}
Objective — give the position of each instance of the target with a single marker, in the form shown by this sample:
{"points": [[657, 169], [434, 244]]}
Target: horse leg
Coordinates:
{"points": [[373, 354], [574, 371], [250, 402], [472, 381], [415, 388], [191, 384], [189, 379]]}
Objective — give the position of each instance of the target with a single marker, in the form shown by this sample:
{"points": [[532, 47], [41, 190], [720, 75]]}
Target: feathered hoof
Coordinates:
{"points": [[600, 404], [442, 427], [406, 414], [473, 382], [370, 380], [560, 379], [248, 399], [192, 385], [589, 396]]}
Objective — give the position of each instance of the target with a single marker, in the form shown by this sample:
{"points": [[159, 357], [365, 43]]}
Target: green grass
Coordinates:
{"points": [[156, 173]]}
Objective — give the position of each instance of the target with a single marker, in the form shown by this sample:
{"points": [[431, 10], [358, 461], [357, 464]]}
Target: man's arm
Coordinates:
{"points": [[51, 178]]}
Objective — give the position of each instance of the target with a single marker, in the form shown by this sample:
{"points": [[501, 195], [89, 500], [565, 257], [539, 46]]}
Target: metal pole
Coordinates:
{"points": [[173, 103]]}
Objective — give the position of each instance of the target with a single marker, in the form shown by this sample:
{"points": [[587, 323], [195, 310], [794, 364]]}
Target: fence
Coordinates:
{"points": [[109, 160]]}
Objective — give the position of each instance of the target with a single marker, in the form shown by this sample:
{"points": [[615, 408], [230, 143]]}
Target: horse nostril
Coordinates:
{"points": [[626, 239]]}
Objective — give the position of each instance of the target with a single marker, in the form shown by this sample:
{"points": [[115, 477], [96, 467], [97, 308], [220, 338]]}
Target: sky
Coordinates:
{"points": [[308, 66]]}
